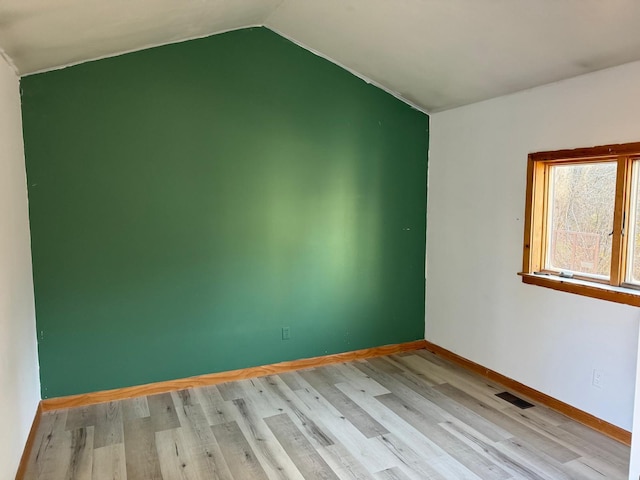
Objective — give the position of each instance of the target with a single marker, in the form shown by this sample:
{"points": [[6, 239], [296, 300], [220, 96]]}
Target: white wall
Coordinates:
{"points": [[634, 467], [19, 382], [476, 304]]}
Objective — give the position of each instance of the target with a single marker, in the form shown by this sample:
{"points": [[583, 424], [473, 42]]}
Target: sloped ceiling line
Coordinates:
{"points": [[432, 54], [350, 70], [9, 61]]}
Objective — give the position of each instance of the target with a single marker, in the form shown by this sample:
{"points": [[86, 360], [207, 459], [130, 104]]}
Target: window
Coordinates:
{"points": [[582, 222]]}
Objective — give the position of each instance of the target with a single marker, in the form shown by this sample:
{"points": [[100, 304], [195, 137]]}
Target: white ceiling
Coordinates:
{"points": [[435, 54]]}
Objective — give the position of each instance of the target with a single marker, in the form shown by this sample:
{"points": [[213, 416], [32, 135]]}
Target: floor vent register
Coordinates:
{"points": [[517, 401]]}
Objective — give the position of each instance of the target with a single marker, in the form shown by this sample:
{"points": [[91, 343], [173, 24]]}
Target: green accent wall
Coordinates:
{"points": [[189, 201]]}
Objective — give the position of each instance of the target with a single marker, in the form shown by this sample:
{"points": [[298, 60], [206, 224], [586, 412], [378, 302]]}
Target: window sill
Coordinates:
{"points": [[623, 295]]}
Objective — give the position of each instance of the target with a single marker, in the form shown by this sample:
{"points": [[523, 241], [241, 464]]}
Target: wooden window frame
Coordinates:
{"points": [[536, 214]]}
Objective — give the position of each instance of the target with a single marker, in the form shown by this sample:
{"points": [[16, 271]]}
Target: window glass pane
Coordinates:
{"points": [[633, 229], [581, 203]]}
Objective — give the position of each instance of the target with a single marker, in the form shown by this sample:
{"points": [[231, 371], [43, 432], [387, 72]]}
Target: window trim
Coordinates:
{"points": [[536, 215]]}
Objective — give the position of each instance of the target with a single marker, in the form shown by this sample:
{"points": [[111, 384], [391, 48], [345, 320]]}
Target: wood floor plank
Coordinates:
{"points": [[347, 407], [492, 450], [385, 365], [51, 438], [591, 468], [417, 465], [457, 377], [140, 450], [56, 464], [543, 414], [396, 425], [431, 411], [529, 456], [478, 464], [198, 437], [231, 390], [332, 372], [359, 379], [177, 460], [529, 418], [263, 400], [109, 463], [108, 429], [591, 450], [81, 458], [313, 429], [615, 449], [443, 462], [607, 461], [290, 378], [343, 463], [456, 369], [518, 429], [134, 408], [372, 455], [405, 385], [238, 453], [270, 452], [304, 456], [391, 474], [216, 409], [459, 371], [81, 417], [184, 398], [162, 412]]}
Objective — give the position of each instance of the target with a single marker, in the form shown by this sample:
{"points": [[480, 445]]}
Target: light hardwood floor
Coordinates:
{"points": [[407, 416]]}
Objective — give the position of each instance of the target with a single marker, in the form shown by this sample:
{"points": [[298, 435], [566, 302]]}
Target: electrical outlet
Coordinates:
{"points": [[286, 333], [598, 378]]}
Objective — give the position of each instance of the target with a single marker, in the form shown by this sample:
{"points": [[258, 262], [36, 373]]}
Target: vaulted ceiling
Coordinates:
{"points": [[434, 54]]}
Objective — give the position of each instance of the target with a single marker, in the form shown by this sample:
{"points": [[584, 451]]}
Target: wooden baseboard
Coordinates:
{"points": [[84, 399], [222, 377], [608, 429], [24, 460]]}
